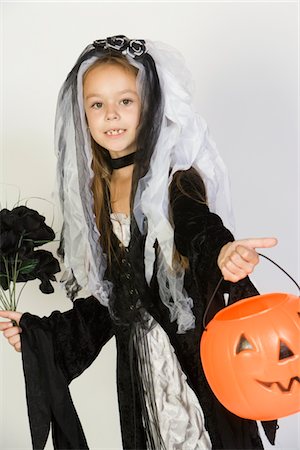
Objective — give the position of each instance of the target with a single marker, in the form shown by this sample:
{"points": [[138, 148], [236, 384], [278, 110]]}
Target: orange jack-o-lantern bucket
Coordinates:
{"points": [[250, 353]]}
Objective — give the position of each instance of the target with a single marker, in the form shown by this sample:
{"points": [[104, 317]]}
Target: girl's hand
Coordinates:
{"points": [[11, 332], [237, 259]]}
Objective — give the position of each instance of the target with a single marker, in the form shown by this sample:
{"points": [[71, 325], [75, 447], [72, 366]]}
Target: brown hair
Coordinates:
{"points": [[101, 168]]}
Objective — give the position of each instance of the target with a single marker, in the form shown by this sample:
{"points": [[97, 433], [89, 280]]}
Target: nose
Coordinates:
{"points": [[111, 113]]}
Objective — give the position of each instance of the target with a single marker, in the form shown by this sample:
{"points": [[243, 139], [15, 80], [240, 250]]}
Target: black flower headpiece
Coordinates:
{"points": [[132, 47]]}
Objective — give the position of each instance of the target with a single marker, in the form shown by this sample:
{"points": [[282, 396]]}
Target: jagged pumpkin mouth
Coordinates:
{"points": [[280, 386]]}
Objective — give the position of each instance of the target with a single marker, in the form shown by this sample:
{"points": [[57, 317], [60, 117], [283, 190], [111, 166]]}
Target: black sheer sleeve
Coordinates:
{"points": [[200, 234], [55, 350]]}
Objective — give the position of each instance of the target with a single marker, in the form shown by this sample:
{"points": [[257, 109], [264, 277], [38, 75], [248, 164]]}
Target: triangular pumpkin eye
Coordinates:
{"points": [[243, 344], [284, 351]]}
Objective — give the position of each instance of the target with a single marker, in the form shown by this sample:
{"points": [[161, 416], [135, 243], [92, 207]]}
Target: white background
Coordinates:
{"points": [[243, 56]]}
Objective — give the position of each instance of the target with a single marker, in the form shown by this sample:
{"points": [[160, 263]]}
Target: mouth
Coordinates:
{"points": [[115, 132], [280, 385]]}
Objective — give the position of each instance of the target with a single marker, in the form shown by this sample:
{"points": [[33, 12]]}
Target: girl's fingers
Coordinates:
{"points": [[247, 254], [229, 276], [237, 259], [11, 315], [239, 263], [242, 263], [14, 340], [258, 242], [233, 269], [233, 274], [5, 325], [12, 332], [18, 346]]}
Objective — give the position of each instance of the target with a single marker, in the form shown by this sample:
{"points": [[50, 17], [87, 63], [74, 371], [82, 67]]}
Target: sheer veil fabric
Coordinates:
{"points": [[183, 142]]}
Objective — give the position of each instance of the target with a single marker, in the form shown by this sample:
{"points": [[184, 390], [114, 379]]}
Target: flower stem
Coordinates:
{"points": [[9, 299], [4, 300], [20, 294]]}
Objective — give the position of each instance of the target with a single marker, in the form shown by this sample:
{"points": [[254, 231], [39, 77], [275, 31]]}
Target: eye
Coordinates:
{"points": [[97, 105], [284, 351], [243, 344], [126, 101]]}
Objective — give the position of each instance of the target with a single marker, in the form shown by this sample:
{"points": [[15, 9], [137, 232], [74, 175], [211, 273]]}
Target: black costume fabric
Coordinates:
{"points": [[58, 348]]}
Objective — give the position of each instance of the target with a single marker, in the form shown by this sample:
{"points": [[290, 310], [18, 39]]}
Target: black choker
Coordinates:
{"points": [[123, 161]]}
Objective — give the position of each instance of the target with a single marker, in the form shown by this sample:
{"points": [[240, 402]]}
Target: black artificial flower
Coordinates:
{"points": [[120, 43], [45, 269], [136, 48], [22, 230]]}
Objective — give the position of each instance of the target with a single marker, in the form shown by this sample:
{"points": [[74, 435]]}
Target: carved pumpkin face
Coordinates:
{"points": [[251, 356]]}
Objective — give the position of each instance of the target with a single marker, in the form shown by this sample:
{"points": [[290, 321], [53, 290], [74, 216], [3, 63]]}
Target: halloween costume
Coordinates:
{"points": [[148, 293]]}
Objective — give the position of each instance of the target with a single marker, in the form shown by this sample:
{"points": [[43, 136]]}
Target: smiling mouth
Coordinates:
{"points": [[282, 388], [115, 132]]}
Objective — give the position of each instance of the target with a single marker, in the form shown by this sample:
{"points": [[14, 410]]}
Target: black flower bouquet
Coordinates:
{"points": [[22, 230]]}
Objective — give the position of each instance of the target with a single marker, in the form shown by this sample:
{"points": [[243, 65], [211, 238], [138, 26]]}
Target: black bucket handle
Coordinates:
{"points": [[222, 278]]}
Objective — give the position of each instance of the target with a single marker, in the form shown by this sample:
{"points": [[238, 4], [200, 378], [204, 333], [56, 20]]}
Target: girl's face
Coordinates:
{"points": [[112, 108]]}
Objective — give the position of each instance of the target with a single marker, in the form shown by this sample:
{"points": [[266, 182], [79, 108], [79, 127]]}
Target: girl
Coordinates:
{"points": [[139, 179]]}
